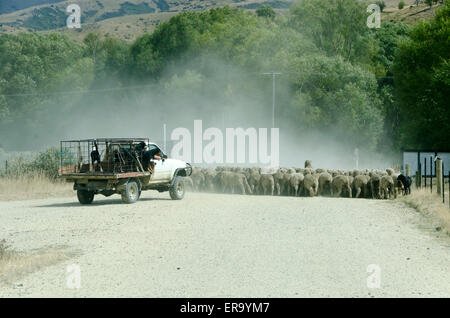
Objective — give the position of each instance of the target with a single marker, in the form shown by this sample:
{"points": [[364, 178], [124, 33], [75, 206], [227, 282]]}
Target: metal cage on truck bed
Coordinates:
{"points": [[102, 158]]}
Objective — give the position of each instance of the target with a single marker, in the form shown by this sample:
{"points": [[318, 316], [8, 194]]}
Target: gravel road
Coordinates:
{"points": [[214, 245]]}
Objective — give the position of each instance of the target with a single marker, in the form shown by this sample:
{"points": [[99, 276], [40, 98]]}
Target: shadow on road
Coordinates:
{"points": [[96, 203]]}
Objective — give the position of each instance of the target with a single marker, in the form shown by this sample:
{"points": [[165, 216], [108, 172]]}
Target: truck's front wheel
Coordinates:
{"points": [[85, 196], [177, 189], [131, 192]]}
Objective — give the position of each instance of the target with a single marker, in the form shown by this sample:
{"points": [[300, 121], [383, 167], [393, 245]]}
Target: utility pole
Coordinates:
{"points": [[273, 95], [165, 138]]}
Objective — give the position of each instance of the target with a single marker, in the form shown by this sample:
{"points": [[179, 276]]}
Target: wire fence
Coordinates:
{"points": [[429, 179]]}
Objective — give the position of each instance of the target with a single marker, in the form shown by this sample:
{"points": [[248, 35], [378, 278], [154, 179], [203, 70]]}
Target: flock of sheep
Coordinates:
{"points": [[300, 182]]}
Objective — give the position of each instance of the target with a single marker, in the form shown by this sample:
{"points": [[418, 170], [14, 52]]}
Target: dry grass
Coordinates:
{"points": [[32, 186], [14, 265], [430, 205], [410, 14]]}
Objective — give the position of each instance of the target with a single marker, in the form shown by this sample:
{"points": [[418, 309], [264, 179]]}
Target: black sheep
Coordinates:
{"points": [[406, 181]]}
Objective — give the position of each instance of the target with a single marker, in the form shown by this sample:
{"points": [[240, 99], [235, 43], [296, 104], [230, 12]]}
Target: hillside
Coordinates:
{"points": [[127, 19], [411, 13], [119, 18]]}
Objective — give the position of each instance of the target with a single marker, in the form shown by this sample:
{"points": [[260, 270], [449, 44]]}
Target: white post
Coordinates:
{"points": [[356, 153], [273, 100], [164, 131], [273, 95]]}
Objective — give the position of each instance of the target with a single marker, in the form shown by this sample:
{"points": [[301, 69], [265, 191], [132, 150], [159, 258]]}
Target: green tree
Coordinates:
{"points": [[265, 11], [335, 96], [93, 45], [388, 38], [336, 26], [422, 80], [31, 67], [4, 111]]}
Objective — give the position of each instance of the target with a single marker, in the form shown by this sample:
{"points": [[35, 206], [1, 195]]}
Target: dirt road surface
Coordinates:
{"points": [[214, 245]]}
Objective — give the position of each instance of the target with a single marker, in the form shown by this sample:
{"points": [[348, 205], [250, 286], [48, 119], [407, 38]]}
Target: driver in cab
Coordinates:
{"points": [[149, 154]]}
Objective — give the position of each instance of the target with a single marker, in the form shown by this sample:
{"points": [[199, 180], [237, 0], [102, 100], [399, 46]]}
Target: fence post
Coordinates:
{"points": [[439, 175], [431, 173], [6, 167], [425, 172], [417, 179], [443, 183], [408, 170]]}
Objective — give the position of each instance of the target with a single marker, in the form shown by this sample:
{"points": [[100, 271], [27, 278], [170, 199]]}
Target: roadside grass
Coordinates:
{"points": [[32, 185], [430, 205], [14, 265]]}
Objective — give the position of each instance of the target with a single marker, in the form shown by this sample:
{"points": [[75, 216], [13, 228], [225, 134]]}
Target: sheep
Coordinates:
{"points": [[267, 184], [308, 164], [375, 185], [198, 179], [287, 182], [387, 187], [296, 183], [291, 170], [278, 178], [300, 181], [310, 185], [254, 179], [325, 180], [406, 182], [341, 183], [360, 184], [398, 186], [234, 182], [209, 180]]}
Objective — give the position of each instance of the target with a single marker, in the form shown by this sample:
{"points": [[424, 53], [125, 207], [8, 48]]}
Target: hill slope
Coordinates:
{"points": [[127, 19]]}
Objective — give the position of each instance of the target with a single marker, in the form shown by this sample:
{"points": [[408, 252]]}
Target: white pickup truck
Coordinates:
{"points": [[110, 166]]}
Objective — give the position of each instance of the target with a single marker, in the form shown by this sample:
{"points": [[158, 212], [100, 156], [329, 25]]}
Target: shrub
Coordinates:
{"points": [[381, 4], [401, 5], [45, 162], [265, 11]]}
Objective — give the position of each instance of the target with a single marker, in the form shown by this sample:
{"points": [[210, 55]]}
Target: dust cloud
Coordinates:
{"points": [[226, 97]]}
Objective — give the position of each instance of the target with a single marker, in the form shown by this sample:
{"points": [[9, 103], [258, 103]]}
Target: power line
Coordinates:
{"points": [[81, 91], [74, 92]]}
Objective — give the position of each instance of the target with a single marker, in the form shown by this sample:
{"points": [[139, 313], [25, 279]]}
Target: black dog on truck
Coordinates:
{"points": [[406, 181]]}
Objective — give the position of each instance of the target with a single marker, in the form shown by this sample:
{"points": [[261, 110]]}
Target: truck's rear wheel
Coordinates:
{"points": [[85, 196], [177, 189], [131, 192]]}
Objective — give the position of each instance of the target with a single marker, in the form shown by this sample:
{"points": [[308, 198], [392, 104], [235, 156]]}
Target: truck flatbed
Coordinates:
{"points": [[104, 175]]}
